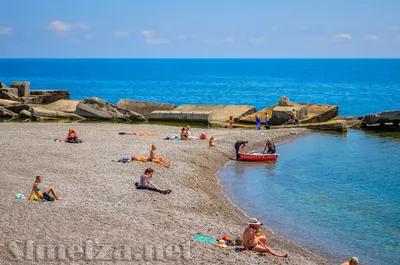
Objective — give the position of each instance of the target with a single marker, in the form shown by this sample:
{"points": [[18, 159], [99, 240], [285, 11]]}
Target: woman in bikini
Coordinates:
{"points": [[37, 192], [158, 159]]}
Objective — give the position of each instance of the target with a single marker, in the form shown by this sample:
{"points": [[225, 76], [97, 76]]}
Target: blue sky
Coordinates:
{"points": [[200, 29]]}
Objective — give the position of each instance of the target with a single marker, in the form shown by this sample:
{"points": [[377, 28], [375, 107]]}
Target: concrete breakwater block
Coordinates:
{"points": [[194, 116], [280, 114], [144, 108], [219, 113], [96, 108]]}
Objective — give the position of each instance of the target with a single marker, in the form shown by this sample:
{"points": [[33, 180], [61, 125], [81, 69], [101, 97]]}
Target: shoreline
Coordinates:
{"points": [[101, 203]]}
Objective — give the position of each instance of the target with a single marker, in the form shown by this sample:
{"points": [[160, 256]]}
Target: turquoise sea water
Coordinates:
{"points": [[338, 195], [358, 86]]}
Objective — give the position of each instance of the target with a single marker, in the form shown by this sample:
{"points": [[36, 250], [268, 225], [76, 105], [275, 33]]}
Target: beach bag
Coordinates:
{"points": [[47, 197], [125, 160]]}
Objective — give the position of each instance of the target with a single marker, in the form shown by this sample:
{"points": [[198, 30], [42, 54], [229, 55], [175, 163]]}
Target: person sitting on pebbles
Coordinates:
{"points": [[38, 193], [72, 137], [254, 241], [184, 134], [211, 142], [146, 182]]}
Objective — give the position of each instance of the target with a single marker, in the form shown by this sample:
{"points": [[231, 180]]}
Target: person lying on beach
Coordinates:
{"points": [[158, 159], [352, 261], [211, 142], [147, 183], [72, 137], [203, 136], [254, 241], [271, 148], [184, 134], [239, 147], [38, 193]]}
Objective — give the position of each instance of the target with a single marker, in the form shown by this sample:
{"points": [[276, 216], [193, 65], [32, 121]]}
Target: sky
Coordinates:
{"points": [[200, 29]]}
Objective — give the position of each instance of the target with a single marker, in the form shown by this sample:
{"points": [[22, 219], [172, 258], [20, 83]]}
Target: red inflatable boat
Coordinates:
{"points": [[258, 157]]}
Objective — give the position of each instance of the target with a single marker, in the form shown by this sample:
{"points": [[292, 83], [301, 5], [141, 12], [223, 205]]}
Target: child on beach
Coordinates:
{"points": [[258, 121], [211, 142], [230, 122], [146, 182]]}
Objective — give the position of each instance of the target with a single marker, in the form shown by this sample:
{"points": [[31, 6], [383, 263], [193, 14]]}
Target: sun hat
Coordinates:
{"points": [[254, 221], [354, 259], [221, 243]]}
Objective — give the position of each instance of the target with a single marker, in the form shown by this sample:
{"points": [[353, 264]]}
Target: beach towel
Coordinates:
{"points": [[137, 134], [20, 196], [64, 141], [175, 137], [205, 239]]}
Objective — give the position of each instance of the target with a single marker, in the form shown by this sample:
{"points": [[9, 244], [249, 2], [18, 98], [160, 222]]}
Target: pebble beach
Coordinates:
{"points": [[102, 207]]}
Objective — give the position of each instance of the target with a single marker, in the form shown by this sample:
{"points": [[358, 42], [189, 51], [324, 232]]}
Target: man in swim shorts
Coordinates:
{"points": [[256, 241], [239, 145]]}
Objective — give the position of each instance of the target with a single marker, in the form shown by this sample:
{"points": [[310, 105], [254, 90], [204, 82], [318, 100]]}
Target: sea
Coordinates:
{"points": [[335, 194]]}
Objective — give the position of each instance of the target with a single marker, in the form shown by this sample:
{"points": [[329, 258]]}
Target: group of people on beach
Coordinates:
{"points": [[240, 145], [252, 238]]}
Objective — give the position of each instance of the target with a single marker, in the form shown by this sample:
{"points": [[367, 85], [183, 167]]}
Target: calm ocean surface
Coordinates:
{"points": [[357, 86], [338, 195]]}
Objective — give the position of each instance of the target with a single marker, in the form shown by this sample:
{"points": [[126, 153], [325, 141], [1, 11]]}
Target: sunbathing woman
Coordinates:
{"points": [[211, 142], [158, 159], [37, 192]]}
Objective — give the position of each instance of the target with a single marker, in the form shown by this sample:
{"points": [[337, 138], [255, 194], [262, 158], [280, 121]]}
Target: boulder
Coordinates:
{"points": [[280, 114], [25, 114], [96, 108], [284, 101], [144, 108], [2, 85]]}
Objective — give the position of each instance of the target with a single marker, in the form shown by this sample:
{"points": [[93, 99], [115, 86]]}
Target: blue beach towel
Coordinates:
{"points": [[205, 239]]}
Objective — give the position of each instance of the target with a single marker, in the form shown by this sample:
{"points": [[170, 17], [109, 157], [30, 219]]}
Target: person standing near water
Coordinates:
{"points": [[267, 125], [258, 121], [239, 145]]}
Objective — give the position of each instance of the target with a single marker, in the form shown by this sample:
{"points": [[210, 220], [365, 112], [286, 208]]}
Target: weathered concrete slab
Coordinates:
{"points": [[50, 96], [23, 88], [40, 112], [336, 126], [96, 108], [2, 85], [63, 105], [144, 108], [195, 116], [315, 113], [8, 102], [382, 117], [8, 93], [280, 114], [219, 113]]}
